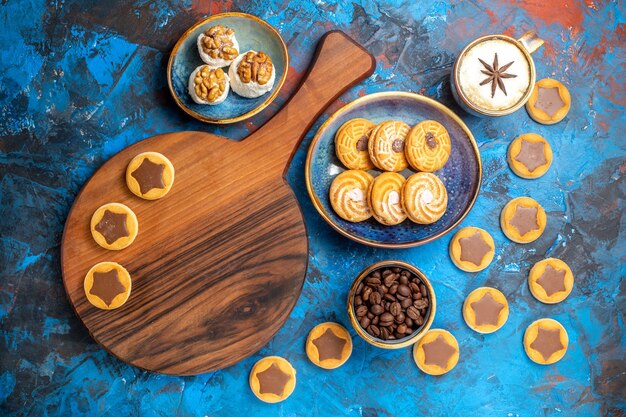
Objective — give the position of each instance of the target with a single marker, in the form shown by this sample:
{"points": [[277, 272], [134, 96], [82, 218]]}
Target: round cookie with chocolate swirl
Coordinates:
{"points": [[386, 145], [107, 285], [485, 310], [427, 146], [114, 226], [272, 379], [150, 175], [351, 143], [384, 198], [545, 341], [348, 195], [523, 220], [550, 281], [472, 249], [329, 345], [424, 198], [529, 156]]}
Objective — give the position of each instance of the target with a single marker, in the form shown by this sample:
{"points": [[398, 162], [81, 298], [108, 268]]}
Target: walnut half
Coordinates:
{"points": [[256, 67], [209, 84], [217, 43]]}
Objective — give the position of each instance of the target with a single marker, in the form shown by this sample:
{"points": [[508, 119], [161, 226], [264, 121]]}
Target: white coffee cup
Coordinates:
{"points": [[494, 75]]}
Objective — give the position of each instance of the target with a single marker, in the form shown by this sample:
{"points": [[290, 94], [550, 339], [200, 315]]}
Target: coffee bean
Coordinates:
{"points": [[384, 333], [377, 309], [404, 290], [417, 296], [412, 312], [406, 303], [400, 318], [359, 288], [367, 291], [423, 290], [365, 322], [404, 280], [373, 330], [376, 274], [387, 305], [358, 300], [375, 298], [395, 308], [408, 321], [373, 281], [394, 289], [386, 319], [375, 319], [398, 335], [401, 328], [419, 321], [387, 272], [390, 297], [396, 270], [370, 315], [390, 280], [391, 337], [415, 288], [405, 273], [361, 311], [421, 303], [385, 289]]}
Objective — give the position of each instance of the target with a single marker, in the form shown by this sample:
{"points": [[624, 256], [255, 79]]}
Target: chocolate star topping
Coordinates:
{"points": [[431, 142], [495, 74], [525, 219], [149, 175], [474, 248], [329, 345], [547, 342], [361, 144], [549, 100], [438, 352], [552, 280], [531, 155], [486, 310], [272, 380], [106, 286], [112, 226], [397, 145]]}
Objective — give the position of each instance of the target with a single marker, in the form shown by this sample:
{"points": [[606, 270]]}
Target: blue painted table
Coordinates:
{"points": [[79, 82]]}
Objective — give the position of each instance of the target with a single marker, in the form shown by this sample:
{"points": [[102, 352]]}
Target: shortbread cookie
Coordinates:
{"points": [[348, 195], [107, 285], [329, 345], [150, 175], [351, 144], [549, 102], [550, 281], [208, 85], [523, 220], [472, 249], [424, 198], [252, 74], [114, 226], [384, 198], [545, 341], [218, 46], [485, 310], [386, 145], [272, 379], [427, 146], [437, 352], [529, 156]]}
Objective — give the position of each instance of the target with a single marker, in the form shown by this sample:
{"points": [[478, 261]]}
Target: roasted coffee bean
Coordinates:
{"points": [[391, 303], [400, 318], [412, 312], [375, 298], [377, 309], [373, 281], [361, 311], [373, 330], [367, 291], [395, 308]]}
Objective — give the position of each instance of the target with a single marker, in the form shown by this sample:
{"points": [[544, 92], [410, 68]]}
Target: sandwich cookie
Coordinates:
{"points": [[424, 198], [348, 195], [386, 145], [351, 143], [427, 146], [384, 198]]}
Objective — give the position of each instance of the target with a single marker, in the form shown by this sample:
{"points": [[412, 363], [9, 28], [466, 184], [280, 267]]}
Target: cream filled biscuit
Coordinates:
{"points": [[384, 198], [348, 195], [386, 145], [424, 198], [218, 46], [252, 74], [428, 146], [208, 86], [351, 142]]}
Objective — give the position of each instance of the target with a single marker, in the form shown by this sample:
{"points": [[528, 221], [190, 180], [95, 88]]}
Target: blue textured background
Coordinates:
{"points": [[79, 82]]}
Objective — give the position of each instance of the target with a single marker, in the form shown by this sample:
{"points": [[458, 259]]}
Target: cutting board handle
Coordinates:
{"points": [[339, 63]]}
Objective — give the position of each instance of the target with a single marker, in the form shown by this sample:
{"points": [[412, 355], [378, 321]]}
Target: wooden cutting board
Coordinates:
{"points": [[219, 262]]}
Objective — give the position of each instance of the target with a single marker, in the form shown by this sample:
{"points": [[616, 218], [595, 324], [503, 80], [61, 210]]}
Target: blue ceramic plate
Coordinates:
{"points": [[252, 33], [461, 174]]}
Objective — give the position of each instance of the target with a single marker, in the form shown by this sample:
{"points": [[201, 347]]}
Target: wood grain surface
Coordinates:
{"points": [[219, 262]]}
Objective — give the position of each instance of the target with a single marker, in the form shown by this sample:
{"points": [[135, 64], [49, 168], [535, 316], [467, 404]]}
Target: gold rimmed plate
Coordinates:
{"points": [[461, 175], [252, 34]]}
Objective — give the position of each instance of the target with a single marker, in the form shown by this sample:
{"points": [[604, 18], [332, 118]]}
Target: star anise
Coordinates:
{"points": [[495, 74]]}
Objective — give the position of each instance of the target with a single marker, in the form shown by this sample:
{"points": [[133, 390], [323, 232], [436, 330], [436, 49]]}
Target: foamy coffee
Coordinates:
{"points": [[494, 75]]}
